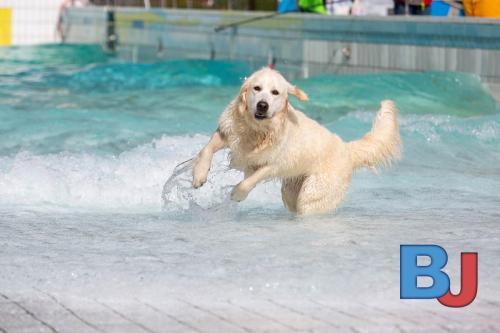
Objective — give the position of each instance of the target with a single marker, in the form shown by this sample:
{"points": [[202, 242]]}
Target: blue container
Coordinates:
{"points": [[441, 8], [287, 6]]}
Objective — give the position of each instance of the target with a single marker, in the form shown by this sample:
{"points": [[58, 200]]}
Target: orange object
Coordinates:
{"points": [[482, 8]]}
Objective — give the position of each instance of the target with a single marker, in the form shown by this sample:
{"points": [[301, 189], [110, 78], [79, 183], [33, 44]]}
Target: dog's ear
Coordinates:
{"points": [[244, 90], [242, 97], [297, 92]]}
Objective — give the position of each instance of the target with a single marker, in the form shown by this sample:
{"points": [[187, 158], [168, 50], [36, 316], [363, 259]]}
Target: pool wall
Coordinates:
{"points": [[300, 44]]}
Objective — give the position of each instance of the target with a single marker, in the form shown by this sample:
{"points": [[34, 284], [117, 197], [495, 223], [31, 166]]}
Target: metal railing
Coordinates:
{"points": [[263, 5]]}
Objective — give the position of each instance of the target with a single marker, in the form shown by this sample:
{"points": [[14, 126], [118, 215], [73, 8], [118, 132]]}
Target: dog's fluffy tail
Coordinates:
{"points": [[382, 144]]}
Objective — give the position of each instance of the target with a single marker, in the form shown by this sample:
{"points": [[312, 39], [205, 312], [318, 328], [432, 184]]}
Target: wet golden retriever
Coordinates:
{"points": [[269, 139]]}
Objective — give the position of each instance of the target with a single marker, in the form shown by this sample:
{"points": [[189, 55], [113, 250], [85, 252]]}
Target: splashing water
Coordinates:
{"points": [[178, 192]]}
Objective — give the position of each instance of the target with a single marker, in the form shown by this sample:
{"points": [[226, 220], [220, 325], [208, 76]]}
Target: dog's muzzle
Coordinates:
{"points": [[262, 108]]}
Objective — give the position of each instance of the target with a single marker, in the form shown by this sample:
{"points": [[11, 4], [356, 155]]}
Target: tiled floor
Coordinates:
{"points": [[38, 311]]}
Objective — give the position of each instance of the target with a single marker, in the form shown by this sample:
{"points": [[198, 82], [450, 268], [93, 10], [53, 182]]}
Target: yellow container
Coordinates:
{"points": [[5, 26], [482, 8]]}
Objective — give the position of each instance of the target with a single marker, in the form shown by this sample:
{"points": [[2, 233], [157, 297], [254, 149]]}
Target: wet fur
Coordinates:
{"points": [[314, 165]]}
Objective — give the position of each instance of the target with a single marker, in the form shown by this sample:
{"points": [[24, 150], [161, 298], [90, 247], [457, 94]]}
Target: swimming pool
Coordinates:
{"points": [[87, 142]]}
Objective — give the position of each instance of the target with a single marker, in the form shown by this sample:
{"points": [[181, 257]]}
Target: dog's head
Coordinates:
{"points": [[265, 94]]}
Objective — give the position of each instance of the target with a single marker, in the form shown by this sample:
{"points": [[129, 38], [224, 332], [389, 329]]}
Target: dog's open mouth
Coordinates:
{"points": [[260, 116]]}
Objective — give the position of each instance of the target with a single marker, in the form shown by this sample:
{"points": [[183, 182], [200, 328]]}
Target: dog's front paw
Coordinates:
{"points": [[200, 174], [198, 181], [239, 193]]}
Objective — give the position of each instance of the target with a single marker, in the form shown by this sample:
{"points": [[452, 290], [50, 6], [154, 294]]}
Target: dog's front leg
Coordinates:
{"points": [[203, 160], [240, 191]]}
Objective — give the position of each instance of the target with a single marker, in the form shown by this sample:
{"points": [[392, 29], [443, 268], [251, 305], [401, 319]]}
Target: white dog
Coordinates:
{"points": [[268, 139]]}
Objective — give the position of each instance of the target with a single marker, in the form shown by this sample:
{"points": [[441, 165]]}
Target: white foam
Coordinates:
{"points": [[132, 181]]}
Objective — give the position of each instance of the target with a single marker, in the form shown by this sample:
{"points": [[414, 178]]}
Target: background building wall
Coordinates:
{"points": [[32, 21]]}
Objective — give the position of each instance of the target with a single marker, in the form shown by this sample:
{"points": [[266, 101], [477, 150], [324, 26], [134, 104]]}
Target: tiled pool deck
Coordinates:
{"points": [[39, 311]]}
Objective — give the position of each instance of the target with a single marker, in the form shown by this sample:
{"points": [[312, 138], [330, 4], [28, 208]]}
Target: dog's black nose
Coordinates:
{"points": [[262, 106]]}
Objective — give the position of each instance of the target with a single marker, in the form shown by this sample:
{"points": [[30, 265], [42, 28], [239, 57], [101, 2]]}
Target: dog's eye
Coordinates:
{"points": [[256, 88], [275, 92]]}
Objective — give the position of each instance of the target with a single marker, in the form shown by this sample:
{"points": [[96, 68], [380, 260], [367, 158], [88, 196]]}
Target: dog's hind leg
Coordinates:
{"points": [[203, 160], [322, 193], [290, 189]]}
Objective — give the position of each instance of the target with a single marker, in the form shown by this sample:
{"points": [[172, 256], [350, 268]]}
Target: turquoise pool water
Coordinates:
{"points": [[81, 129], [87, 142]]}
